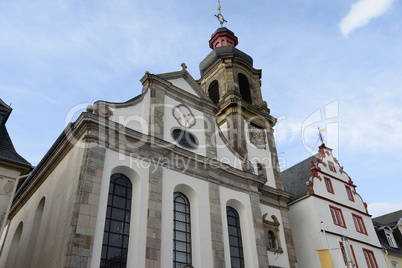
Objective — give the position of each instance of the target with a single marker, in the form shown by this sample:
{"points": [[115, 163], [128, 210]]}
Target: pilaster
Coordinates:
{"points": [[85, 209], [289, 238], [274, 158], [154, 220], [216, 226], [157, 111], [210, 136], [258, 228]]}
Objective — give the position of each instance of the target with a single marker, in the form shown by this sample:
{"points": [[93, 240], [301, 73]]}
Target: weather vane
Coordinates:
{"points": [[320, 134], [219, 15]]}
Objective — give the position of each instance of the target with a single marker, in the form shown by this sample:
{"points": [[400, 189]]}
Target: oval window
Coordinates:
{"points": [[184, 138]]}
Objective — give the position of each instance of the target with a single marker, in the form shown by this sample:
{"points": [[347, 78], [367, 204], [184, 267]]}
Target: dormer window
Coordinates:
{"points": [[390, 238]]}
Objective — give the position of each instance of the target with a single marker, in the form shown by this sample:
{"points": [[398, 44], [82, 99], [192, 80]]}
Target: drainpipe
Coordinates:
{"points": [[9, 208]]}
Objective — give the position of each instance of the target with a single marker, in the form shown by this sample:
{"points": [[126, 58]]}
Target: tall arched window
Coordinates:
{"points": [[181, 231], [34, 233], [15, 243], [213, 91], [244, 87], [117, 224], [235, 241]]}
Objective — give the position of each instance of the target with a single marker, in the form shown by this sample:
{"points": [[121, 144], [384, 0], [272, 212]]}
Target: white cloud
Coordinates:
{"points": [[287, 129], [379, 209], [361, 13], [368, 122]]}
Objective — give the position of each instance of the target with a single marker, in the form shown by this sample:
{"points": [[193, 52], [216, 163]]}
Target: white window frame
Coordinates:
{"points": [[390, 238]]}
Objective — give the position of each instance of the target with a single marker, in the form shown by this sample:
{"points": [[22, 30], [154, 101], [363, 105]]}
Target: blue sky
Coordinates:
{"points": [[328, 64]]}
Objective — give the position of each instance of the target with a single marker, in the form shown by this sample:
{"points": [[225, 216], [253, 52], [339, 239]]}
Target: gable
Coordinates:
{"points": [[183, 80]]}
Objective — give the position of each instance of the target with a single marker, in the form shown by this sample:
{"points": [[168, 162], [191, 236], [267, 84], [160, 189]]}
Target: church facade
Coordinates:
{"points": [[183, 175]]}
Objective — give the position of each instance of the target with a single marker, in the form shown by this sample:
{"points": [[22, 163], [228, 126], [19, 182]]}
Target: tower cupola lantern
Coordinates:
{"points": [[223, 37]]}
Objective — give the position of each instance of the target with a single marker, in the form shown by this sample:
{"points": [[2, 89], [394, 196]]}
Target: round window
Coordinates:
{"points": [[184, 138]]}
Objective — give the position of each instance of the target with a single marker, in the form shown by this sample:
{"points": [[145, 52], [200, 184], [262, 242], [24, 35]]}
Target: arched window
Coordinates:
{"points": [[117, 224], [271, 240], [244, 88], [235, 241], [34, 233], [181, 231], [15, 243], [213, 91]]}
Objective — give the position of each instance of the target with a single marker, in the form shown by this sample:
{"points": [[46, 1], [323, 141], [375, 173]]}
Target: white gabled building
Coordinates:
{"points": [[328, 217]]}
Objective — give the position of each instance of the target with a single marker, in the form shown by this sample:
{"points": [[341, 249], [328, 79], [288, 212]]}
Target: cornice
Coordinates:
{"points": [[15, 166], [86, 128], [94, 130], [353, 239], [231, 105], [335, 178], [281, 197]]}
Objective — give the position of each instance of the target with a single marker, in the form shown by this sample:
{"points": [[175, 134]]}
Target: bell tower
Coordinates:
{"points": [[234, 85]]}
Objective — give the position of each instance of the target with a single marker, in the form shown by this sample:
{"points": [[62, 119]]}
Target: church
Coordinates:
{"points": [[184, 175]]}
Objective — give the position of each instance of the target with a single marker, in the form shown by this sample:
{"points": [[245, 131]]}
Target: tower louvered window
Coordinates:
{"points": [[213, 92], [181, 231], [117, 224], [244, 88]]}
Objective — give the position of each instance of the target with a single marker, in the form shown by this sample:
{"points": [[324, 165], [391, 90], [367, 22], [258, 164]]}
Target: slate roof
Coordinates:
{"points": [[295, 178], [217, 54], [391, 220], [7, 151]]}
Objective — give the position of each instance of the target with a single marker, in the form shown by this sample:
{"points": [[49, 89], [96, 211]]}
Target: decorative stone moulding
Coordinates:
{"points": [[92, 134], [184, 116], [272, 226], [257, 136], [247, 166], [102, 109]]}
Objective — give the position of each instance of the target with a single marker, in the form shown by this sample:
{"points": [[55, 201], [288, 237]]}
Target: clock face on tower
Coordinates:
{"points": [[184, 116]]}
